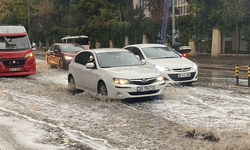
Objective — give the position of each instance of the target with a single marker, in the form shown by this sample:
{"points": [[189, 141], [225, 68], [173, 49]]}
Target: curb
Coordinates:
{"points": [[222, 68], [241, 86]]}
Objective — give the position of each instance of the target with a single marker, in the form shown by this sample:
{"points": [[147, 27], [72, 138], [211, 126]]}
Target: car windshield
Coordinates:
{"points": [[71, 48], [160, 52], [14, 43], [117, 59]]}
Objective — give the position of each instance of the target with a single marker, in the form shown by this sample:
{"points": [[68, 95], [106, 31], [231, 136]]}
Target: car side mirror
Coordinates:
{"points": [[90, 65], [144, 61], [138, 56], [33, 46]]}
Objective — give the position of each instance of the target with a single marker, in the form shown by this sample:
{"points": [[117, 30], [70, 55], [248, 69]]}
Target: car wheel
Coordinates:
{"points": [[102, 89], [71, 83], [60, 64]]}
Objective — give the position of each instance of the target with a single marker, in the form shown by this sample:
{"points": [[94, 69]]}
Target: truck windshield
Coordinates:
{"points": [[14, 43]]}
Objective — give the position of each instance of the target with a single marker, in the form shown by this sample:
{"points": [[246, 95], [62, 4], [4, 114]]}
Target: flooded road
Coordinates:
{"points": [[41, 112]]}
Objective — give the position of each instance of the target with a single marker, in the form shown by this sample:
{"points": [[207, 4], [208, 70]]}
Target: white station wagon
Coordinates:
{"points": [[173, 66], [114, 72]]}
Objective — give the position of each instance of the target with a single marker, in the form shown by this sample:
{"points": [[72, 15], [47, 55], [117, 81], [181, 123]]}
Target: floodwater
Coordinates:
{"points": [[212, 114]]}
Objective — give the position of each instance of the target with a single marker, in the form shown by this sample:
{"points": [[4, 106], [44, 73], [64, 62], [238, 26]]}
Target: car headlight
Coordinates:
{"points": [[160, 78], [121, 81], [28, 55], [161, 68], [68, 57], [194, 67]]}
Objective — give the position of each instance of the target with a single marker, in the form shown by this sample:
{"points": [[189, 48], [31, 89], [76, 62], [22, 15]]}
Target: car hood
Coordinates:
{"points": [[172, 62], [132, 72], [71, 54], [14, 54]]}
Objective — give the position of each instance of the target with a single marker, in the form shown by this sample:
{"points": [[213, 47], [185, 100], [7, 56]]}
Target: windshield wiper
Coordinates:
{"points": [[166, 57], [106, 67], [9, 49]]}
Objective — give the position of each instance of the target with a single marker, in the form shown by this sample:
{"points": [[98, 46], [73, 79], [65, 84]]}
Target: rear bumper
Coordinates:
{"points": [[27, 69]]}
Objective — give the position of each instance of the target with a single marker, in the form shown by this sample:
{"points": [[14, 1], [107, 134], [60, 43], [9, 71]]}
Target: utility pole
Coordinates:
{"points": [[173, 21], [164, 22], [28, 5]]}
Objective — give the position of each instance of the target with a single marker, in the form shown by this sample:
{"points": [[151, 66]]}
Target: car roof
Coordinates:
{"points": [[78, 36], [66, 44], [12, 29], [147, 45], [105, 50]]}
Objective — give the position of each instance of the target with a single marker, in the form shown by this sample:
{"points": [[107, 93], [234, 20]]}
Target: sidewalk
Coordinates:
{"points": [[205, 61], [222, 62]]}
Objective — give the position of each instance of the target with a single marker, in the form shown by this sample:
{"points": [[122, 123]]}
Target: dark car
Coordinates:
{"points": [[60, 54]]}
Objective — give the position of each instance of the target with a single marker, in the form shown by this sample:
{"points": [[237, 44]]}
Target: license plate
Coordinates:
{"points": [[145, 88], [184, 75], [14, 69]]}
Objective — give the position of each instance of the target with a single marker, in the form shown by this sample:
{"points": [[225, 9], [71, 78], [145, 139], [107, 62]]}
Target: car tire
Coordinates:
{"points": [[60, 63], [102, 89], [71, 83]]}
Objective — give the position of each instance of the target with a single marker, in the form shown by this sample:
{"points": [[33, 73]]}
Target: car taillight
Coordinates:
{"points": [[89, 42], [184, 54]]}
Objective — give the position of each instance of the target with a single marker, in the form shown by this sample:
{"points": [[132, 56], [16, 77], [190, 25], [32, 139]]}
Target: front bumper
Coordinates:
{"points": [[116, 91], [174, 77], [27, 69]]}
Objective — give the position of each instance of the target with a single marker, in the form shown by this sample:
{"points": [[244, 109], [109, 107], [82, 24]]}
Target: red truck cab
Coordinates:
{"points": [[16, 54]]}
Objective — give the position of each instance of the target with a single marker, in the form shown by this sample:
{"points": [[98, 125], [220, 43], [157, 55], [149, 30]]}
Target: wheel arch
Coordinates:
{"points": [[69, 76], [63, 63], [98, 83]]}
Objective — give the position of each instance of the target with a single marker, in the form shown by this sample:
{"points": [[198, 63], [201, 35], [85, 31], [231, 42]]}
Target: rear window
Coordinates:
{"points": [[81, 41]]}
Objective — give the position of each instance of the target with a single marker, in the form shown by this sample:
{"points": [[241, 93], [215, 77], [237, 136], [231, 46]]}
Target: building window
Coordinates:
{"points": [[143, 3]]}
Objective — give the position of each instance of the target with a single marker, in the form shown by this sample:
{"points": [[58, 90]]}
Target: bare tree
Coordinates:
{"points": [[237, 11]]}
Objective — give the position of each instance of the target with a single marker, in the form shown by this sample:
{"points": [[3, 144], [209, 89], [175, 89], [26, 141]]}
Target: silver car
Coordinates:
{"points": [[173, 66]]}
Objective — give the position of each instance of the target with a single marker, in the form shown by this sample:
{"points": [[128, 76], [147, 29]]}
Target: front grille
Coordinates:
{"points": [[143, 93], [144, 81], [13, 62], [182, 69], [175, 77]]}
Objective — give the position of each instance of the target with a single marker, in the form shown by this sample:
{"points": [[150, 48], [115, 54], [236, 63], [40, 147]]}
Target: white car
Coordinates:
{"points": [[117, 73], [173, 66]]}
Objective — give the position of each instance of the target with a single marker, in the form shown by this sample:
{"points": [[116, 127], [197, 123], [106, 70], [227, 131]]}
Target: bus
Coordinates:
{"points": [[16, 53]]}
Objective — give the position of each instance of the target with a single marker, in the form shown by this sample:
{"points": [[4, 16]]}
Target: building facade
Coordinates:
{"points": [[180, 5], [142, 4]]}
